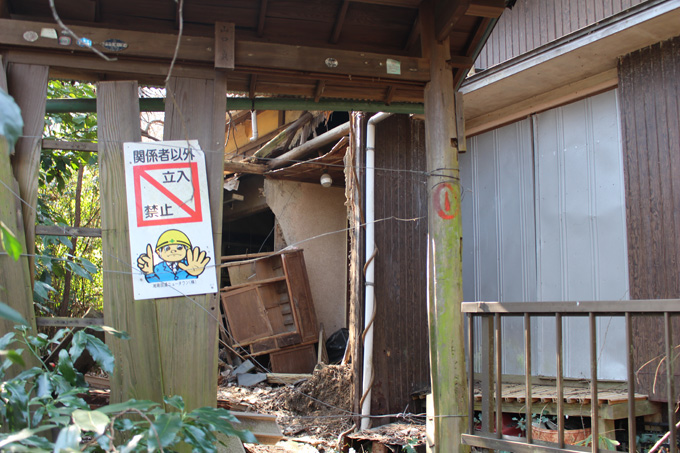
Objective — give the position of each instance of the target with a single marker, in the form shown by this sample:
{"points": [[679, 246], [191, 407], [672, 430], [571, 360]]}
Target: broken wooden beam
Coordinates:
{"points": [[263, 426], [245, 167], [284, 137], [303, 150], [287, 378]]}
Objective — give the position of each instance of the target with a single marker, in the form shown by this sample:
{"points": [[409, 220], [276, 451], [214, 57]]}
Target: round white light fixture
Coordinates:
{"points": [[326, 180]]}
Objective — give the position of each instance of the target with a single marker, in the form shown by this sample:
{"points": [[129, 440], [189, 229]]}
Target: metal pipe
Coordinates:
{"points": [[369, 294], [89, 105]]}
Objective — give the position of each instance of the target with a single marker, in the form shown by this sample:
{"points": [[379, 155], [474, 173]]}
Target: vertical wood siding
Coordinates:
{"points": [[532, 23], [401, 328], [649, 82]]}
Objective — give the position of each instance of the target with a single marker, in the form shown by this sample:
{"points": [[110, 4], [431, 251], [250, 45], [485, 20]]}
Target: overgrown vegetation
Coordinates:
{"points": [[43, 409], [68, 281]]}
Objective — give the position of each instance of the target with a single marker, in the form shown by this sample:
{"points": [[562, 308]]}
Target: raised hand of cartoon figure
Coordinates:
{"points": [[196, 262], [145, 260]]}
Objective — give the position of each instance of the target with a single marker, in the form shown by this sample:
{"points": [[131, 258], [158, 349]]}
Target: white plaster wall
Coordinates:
{"points": [[305, 211]]}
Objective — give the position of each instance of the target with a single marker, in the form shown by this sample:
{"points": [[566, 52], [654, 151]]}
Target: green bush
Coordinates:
{"points": [[42, 409]]}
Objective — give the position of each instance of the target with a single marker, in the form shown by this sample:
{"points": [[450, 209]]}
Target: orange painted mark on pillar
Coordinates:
{"points": [[444, 193]]}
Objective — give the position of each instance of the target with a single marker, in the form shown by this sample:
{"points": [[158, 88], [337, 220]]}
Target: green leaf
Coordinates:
{"points": [[220, 420], [9, 242], [68, 440], [78, 344], [88, 266], [200, 440], [116, 333], [165, 429], [78, 270], [8, 312], [44, 385], [90, 420], [132, 445], [65, 367], [41, 289], [11, 122], [22, 435], [100, 353], [142, 405], [13, 356], [175, 401]]}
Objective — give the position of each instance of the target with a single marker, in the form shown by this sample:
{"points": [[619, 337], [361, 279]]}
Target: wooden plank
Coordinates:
{"points": [[301, 293], [27, 84], [138, 370], [225, 41], [68, 322], [540, 102], [189, 363], [287, 378], [300, 359], [486, 8], [55, 230], [449, 384], [446, 15], [15, 282], [573, 308], [249, 54], [89, 147], [263, 426]]}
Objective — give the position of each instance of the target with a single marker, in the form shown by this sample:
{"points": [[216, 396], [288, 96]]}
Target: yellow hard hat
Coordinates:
{"points": [[173, 237]]}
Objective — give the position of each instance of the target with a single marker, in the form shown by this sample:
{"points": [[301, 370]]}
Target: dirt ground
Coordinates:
{"points": [[312, 414]]}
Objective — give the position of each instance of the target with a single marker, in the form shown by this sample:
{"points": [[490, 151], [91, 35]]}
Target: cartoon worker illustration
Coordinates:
{"points": [[179, 260]]}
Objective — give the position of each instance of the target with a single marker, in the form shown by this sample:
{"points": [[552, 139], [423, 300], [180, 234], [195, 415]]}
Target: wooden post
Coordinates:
{"points": [[137, 373], [445, 289], [15, 282], [188, 326], [28, 86]]}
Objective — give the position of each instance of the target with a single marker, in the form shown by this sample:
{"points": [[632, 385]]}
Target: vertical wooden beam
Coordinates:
{"points": [[27, 84], [188, 326], [487, 374], [15, 282], [137, 373], [447, 349]]}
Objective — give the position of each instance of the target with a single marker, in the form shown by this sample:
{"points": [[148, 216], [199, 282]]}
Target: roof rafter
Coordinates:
{"points": [[339, 22]]}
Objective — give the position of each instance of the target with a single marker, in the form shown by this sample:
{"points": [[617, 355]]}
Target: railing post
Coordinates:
{"points": [[593, 383], [499, 375], [487, 373], [527, 372], [630, 365], [668, 331], [560, 380], [471, 374]]}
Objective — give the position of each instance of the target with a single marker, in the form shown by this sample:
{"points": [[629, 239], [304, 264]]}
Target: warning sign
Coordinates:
{"points": [[171, 241]]}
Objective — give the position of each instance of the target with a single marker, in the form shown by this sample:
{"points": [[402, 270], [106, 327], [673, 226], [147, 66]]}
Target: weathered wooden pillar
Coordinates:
{"points": [[27, 84], [188, 326], [445, 288], [15, 277], [137, 372]]}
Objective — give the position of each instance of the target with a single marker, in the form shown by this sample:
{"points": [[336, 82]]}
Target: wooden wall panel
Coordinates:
{"points": [[401, 351], [137, 373], [649, 82], [28, 86], [533, 23], [188, 325]]}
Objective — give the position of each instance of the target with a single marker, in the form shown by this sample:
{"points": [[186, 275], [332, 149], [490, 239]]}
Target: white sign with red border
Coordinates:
{"points": [[171, 240]]}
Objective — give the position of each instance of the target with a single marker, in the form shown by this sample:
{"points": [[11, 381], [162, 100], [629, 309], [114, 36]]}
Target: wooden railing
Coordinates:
{"points": [[491, 367]]}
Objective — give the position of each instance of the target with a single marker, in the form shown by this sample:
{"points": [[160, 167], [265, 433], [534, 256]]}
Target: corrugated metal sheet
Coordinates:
{"points": [[544, 220], [650, 98], [580, 226], [532, 23], [499, 258]]}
